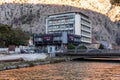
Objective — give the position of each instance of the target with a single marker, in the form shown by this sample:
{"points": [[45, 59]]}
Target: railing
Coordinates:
{"points": [[110, 51], [76, 51], [85, 51]]}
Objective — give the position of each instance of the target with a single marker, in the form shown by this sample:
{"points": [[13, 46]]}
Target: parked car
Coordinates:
{"points": [[61, 51], [31, 51], [24, 51], [27, 51], [41, 51], [94, 51]]}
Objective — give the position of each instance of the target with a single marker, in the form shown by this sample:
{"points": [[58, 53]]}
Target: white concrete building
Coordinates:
{"points": [[72, 22]]}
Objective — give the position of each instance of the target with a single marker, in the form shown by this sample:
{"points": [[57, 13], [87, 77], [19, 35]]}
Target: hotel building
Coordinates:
{"points": [[65, 28], [71, 22]]}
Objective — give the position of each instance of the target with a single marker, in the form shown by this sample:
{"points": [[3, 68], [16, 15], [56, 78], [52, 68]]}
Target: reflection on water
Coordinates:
{"points": [[73, 70]]}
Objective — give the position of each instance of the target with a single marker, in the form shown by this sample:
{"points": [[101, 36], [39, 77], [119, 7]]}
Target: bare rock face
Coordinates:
{"points": [[31, 15]]}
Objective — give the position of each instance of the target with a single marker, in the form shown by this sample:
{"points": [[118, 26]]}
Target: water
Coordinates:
{"points": [[73, 70]]}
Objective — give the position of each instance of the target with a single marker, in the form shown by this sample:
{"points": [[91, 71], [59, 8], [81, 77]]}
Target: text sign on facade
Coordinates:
{"points": [[71, 38], [47, 38]]}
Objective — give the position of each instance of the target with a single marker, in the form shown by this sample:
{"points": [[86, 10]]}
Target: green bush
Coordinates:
{"points": [[101, 46], [82, 47], [10, 36], [31, 64], [70, 46]]}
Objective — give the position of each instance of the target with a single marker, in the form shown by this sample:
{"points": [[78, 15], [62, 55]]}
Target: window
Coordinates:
{"points": [[57, 38], [85, 33], [76, 39], [85, 39], [38, 39], [84, 27]]}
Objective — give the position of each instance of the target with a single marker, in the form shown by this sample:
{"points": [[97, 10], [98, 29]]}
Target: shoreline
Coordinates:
{"points": [[25, 64]]}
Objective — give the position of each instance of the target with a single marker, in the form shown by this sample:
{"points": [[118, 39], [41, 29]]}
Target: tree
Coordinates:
{"points": [[82, 47], [18, 37], [4, 34], [70, 46], [9, 36], [101, 46]]}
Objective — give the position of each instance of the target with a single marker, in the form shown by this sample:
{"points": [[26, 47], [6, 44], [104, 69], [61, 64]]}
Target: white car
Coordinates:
{"points": [[31, 51]]}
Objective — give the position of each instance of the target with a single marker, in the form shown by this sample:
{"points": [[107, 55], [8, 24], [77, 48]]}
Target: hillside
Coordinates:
{"points": [[31, 15]]}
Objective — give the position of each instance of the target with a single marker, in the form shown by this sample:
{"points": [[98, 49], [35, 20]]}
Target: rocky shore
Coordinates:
{"points": [[16, 63]]}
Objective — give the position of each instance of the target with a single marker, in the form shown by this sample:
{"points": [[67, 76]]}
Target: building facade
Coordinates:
{"points": [[71, 22], [58, 39], [118, 38]]}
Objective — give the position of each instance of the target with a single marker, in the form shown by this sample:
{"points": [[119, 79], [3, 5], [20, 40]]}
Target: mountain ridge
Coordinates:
{"points": [[31, 15]]}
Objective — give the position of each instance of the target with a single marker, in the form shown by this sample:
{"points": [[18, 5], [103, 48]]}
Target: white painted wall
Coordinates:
{"points": [[77, 24], [46, 26], [91, 31], [17, 49], [2, 50]]}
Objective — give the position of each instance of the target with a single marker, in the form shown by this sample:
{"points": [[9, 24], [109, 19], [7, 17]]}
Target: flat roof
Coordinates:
{"points": [[69, 12]]}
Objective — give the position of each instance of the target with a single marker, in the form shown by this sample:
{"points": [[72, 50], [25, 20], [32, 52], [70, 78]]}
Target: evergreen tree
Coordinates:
{"points": [[101, 46], [9, 36]]}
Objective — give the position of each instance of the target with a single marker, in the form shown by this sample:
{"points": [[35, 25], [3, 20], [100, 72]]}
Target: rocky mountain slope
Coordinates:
{"points": [[31, 15]]}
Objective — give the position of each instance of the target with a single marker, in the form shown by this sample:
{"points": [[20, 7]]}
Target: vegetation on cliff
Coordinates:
{"points": [[115, 2]]}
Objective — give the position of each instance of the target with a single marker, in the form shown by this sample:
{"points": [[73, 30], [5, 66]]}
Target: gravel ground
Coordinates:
{"points": [[65, 71]]}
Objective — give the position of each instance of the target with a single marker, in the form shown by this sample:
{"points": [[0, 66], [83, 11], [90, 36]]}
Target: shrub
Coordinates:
{"points": [[70, 46], [10, 36], [82, 47], [101, 46]]}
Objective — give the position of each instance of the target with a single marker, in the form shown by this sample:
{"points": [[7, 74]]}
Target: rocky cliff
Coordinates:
{"points": [[31, 15]]}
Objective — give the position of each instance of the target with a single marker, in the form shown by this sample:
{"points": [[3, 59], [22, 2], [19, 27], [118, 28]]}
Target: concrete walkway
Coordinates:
{"points": [[25, 57]]}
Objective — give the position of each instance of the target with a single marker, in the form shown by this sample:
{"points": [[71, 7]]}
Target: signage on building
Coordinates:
{"points": [[57, 38], [71, 38], [47, 38]]}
